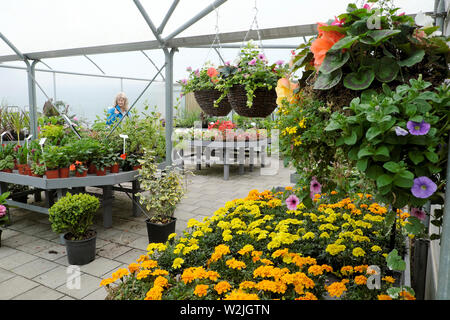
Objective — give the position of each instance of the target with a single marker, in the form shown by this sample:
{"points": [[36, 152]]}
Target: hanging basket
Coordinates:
{"points": [[206, 98], [264, 102]]}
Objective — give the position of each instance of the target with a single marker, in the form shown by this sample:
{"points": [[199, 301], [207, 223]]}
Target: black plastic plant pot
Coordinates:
{"points": [[81, 252], [160, 232]]}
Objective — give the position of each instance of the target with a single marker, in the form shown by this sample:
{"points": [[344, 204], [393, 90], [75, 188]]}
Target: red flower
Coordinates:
{"points": [[123, 156]]}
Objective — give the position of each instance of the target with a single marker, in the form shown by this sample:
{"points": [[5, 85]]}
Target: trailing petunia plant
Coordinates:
{"points": [[252, 70], [399, 139], [204, 78]]}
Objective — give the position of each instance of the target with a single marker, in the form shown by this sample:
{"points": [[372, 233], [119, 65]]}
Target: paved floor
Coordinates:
{"points": [[33, 263]]}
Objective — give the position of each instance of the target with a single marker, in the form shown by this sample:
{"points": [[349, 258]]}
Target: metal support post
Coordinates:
{"points": [[169, 102]]}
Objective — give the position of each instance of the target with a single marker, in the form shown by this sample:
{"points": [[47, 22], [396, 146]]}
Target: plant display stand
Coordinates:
{"points": [[228, 153], [74, 185]]}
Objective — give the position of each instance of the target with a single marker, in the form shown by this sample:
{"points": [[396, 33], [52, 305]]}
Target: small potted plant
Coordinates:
{"points": [[7, 164], [113, 160], [64, 162], [162, 192], [51, 159], [74, 215], [38, 169], [21, 157], [79, 168], [3, 213]]}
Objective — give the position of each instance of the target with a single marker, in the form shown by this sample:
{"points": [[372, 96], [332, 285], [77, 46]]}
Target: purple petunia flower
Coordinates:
{"points": [[315, 186], [400, 131], [261, 56], [423, 187], [292, 202], [279, 62], [418, 129], [252, 63], [419, 214], [184, 81]]}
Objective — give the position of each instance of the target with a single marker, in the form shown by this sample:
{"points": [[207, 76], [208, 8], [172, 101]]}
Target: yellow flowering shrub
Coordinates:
{"points": [[257, 248]]}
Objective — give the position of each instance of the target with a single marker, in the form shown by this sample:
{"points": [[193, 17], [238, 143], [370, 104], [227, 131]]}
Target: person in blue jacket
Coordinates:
{"points": [[119, 110]]}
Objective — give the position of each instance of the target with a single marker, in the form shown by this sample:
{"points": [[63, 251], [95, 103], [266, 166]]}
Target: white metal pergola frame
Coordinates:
{"points": [[170, 45]]}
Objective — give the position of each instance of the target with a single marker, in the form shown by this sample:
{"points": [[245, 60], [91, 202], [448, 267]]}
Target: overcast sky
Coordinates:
{"points": [[57, 24]]}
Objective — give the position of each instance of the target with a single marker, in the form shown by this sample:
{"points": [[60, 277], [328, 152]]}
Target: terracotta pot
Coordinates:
{"points": [[137, 167], [80, 175], [101, 172], [115, 168], [27, 170], [91, 168], [7, 170], [36, 175], [15, 165], [52, 174], [64, 172]]}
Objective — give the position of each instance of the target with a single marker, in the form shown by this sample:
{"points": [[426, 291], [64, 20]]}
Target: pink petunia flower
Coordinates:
{"points": [[419, 214], [292, 202]]}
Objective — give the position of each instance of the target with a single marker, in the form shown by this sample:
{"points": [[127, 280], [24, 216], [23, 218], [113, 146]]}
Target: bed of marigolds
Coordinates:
{"points": [[257, 248]]}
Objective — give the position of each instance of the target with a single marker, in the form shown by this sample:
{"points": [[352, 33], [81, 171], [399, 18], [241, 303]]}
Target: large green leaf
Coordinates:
{"points": [[333, 61], [373, 132], [386, 69], [414, 226], [384, 180], [394, 261], [375, 37], [359, 80], [414, 58], [328, 81], [344, 43]]}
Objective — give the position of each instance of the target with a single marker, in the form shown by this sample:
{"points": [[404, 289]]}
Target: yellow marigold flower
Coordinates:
{"points": [[219, 252], [154, 293], [376, 248], [119, 274], [177, 262], [143, 274], [192, 223], [280, 253], [266, 261], [222, 286], [358, 252], [335, 249], [160, 272], [133, 267], [308, 235], [360, 280], [149, 264], [226, 235], [241, 295], [247, 285], [324, 235], [106, 282], [384, 297], [246, 249], [273, 286], [388, 279], [307, 296], [142, 258], [161, 282], [201, 290], [288, 188], [362, 268], [315, 270], [172, 235], [235, 264], [347, 270], [336, 289]]}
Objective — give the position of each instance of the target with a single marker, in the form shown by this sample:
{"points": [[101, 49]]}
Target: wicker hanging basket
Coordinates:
{"points": [[206, 98], [264, 102]]}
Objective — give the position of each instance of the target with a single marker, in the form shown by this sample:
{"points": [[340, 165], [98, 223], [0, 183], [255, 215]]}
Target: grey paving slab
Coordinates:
{"points": [[6, 251], [15, 286], [6, 274], [99, 294], [16, 259], [112, 250], [40, 293], [53, 278], [87, 285], [34, 268], [52, 253], [100, 266], [36, 246], [130, 256], [18, 240]]}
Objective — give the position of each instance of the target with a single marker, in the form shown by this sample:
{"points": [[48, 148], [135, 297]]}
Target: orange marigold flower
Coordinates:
{"points": [[154, 293], [362, 268], [405, 295], [149, 264], [222, 286], [161, 282], [347, 270], [315, 270], [307, 296], [360, 280], [384, 297], [388, 279], [133, 267], [106, 282], [336, 289], [201, 290]]}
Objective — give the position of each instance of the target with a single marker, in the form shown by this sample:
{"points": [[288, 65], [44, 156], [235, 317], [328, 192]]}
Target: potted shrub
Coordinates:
{"points": [[162, 192], [203, 83], [38, 169], [3, 213], [250, 84], [74, 215], [7, 164], [51, 159]]}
